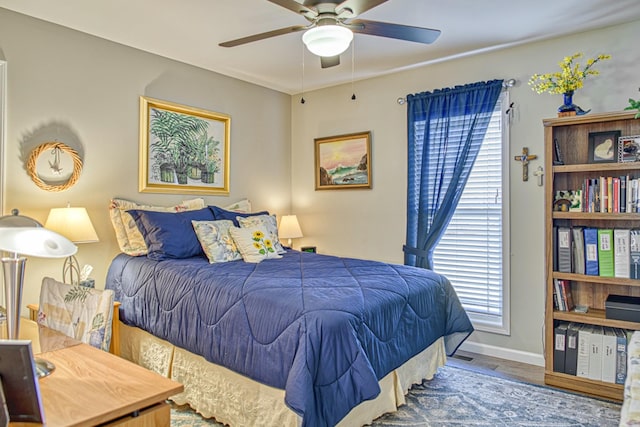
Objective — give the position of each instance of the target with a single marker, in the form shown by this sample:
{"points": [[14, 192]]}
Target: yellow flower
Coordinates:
{"points": [[268, 243], [257, 245], [570, 77], [258, 235]]}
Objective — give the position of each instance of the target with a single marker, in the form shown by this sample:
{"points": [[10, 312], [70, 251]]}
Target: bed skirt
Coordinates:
{"points": [[233, 399]]}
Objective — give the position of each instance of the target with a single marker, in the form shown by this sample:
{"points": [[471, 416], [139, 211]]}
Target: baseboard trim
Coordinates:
{"points": [[503, 353]]}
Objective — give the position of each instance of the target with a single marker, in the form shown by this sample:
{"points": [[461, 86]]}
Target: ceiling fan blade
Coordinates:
{"points": [[262, 36], [358, 6], [329, 61], [296, 7], [395, 31]]}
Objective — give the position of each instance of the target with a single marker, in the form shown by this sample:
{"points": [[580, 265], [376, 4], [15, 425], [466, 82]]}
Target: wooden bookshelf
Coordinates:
{"points": [[572, 136]]}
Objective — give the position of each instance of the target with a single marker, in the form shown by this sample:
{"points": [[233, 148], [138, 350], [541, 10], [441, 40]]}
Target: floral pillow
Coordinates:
{"points": [[269, 223], [216, 241], [253, 243]]}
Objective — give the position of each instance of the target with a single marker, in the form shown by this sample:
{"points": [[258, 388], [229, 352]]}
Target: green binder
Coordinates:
{"points": [[605, 252]]}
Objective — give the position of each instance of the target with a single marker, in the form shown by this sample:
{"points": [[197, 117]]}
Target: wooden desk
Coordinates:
{"points": [[91, 387]]}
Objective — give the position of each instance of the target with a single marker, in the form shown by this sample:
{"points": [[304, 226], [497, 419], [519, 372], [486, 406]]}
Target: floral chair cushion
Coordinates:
{"points": [[77, 311]]}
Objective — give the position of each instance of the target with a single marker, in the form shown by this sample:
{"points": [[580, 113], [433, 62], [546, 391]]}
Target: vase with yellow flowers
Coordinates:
{"points": [[566, 81]]}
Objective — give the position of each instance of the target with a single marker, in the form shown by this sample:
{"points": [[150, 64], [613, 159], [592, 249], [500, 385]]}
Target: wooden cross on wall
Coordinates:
{"points": [[525, 158]]}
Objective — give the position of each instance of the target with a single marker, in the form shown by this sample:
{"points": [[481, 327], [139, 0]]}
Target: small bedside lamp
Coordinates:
{"points": [[75, 225], [289, 228]]}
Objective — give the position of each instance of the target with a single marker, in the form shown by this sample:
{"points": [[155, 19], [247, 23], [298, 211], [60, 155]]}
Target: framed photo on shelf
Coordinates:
{"points": [[629, 148], [603, 146]]}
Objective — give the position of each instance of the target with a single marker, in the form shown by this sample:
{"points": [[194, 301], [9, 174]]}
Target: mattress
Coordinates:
{"points": [[323, 329]]}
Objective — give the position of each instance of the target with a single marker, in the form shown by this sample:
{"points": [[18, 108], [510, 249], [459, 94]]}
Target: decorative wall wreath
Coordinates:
{"points": [[56, 149]]}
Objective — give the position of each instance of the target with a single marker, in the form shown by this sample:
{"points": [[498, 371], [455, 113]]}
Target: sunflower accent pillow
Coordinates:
{"points": [[269, 223], [253, 243]]}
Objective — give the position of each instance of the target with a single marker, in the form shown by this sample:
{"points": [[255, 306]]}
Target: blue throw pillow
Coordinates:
{"points": [[220, 213], [170, 235]]}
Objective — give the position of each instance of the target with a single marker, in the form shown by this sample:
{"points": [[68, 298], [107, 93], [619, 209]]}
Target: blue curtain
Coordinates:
{"points": [[446, 128]]}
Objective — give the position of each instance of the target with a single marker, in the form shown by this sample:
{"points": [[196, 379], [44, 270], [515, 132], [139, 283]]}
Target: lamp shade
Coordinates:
{"points": [[35, 241], [73, 223], [327, 40], [289, 227]]}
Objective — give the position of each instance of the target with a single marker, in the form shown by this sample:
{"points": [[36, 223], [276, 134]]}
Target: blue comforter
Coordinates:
{"points": [[324, 329]]}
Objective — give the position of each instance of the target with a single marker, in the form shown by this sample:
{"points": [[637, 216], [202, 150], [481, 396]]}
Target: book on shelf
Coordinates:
{"points": [[621, 355], [595, 353], [623, 193], [609, 357], [604, 194], [591, 251], [571, 351], [621, 253], [577, 243], [560, 346], [564, 297], [564, 249], [634, 254], [584, 350], [605, 252]]}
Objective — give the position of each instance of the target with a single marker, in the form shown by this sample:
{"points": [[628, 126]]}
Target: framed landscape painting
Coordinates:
{"points": [[343, 161], [183, 149]]}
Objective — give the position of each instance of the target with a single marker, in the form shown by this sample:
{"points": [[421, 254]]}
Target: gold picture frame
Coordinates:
{"points": [[183, 149], [343, 161]]}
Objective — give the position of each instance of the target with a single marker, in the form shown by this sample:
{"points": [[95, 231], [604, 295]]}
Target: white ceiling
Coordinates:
{"points": [[190, 30]]}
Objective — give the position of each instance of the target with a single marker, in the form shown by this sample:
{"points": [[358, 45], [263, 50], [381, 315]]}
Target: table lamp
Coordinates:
{"points": [[289, 228], [20, 236], [75, 225]]}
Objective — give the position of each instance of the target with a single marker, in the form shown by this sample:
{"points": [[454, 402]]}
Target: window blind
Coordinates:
{"points": [[470, 254]]}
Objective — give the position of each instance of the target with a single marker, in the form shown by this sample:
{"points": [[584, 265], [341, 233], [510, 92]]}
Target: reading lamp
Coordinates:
{"points": [[75, 225], [328, 39], [289, 228], [20, 236]]}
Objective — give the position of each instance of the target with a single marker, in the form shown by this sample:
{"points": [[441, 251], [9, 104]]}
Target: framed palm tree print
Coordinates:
{"points": [[183, 149]]}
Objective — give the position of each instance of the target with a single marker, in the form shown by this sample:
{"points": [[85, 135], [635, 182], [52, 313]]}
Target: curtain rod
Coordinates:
{"points": [[506, 84]]}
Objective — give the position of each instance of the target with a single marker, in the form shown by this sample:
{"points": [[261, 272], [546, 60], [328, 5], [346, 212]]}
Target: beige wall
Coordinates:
{"points": [[85, 91], [371, 223]]}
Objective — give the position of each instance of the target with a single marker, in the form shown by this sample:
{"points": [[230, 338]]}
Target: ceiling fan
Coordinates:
{"points": [[332, 24]]}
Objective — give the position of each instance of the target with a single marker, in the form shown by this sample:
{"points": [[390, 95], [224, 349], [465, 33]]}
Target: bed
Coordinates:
{"points": [[283, 338]]}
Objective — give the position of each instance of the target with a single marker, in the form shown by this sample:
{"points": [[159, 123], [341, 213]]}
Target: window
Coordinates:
{"points": [[474, 251]]}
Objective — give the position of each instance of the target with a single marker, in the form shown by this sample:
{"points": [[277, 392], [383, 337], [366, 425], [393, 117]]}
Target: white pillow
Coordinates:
{"points": [[253, 243], [216, 241], [269, 223]]}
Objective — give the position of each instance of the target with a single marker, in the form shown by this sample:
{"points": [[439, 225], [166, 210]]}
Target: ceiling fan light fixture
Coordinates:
{"points": [[327, 40]]}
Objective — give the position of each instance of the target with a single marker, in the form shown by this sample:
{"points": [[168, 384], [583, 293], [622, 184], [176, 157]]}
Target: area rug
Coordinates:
{"points": [[460, 397]]}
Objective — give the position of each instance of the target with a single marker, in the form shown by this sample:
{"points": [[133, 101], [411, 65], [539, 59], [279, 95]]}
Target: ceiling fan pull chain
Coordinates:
{"points": [[353, 67], [302, 101]]}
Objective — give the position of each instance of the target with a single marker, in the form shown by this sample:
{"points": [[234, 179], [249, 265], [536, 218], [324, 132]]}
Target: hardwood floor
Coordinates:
{"points": [[498, 367]]}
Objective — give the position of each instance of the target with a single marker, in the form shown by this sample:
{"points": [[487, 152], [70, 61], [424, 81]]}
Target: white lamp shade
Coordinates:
{"points": [[327, 40], [73, 223], [289, 227], [36, 241]]}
